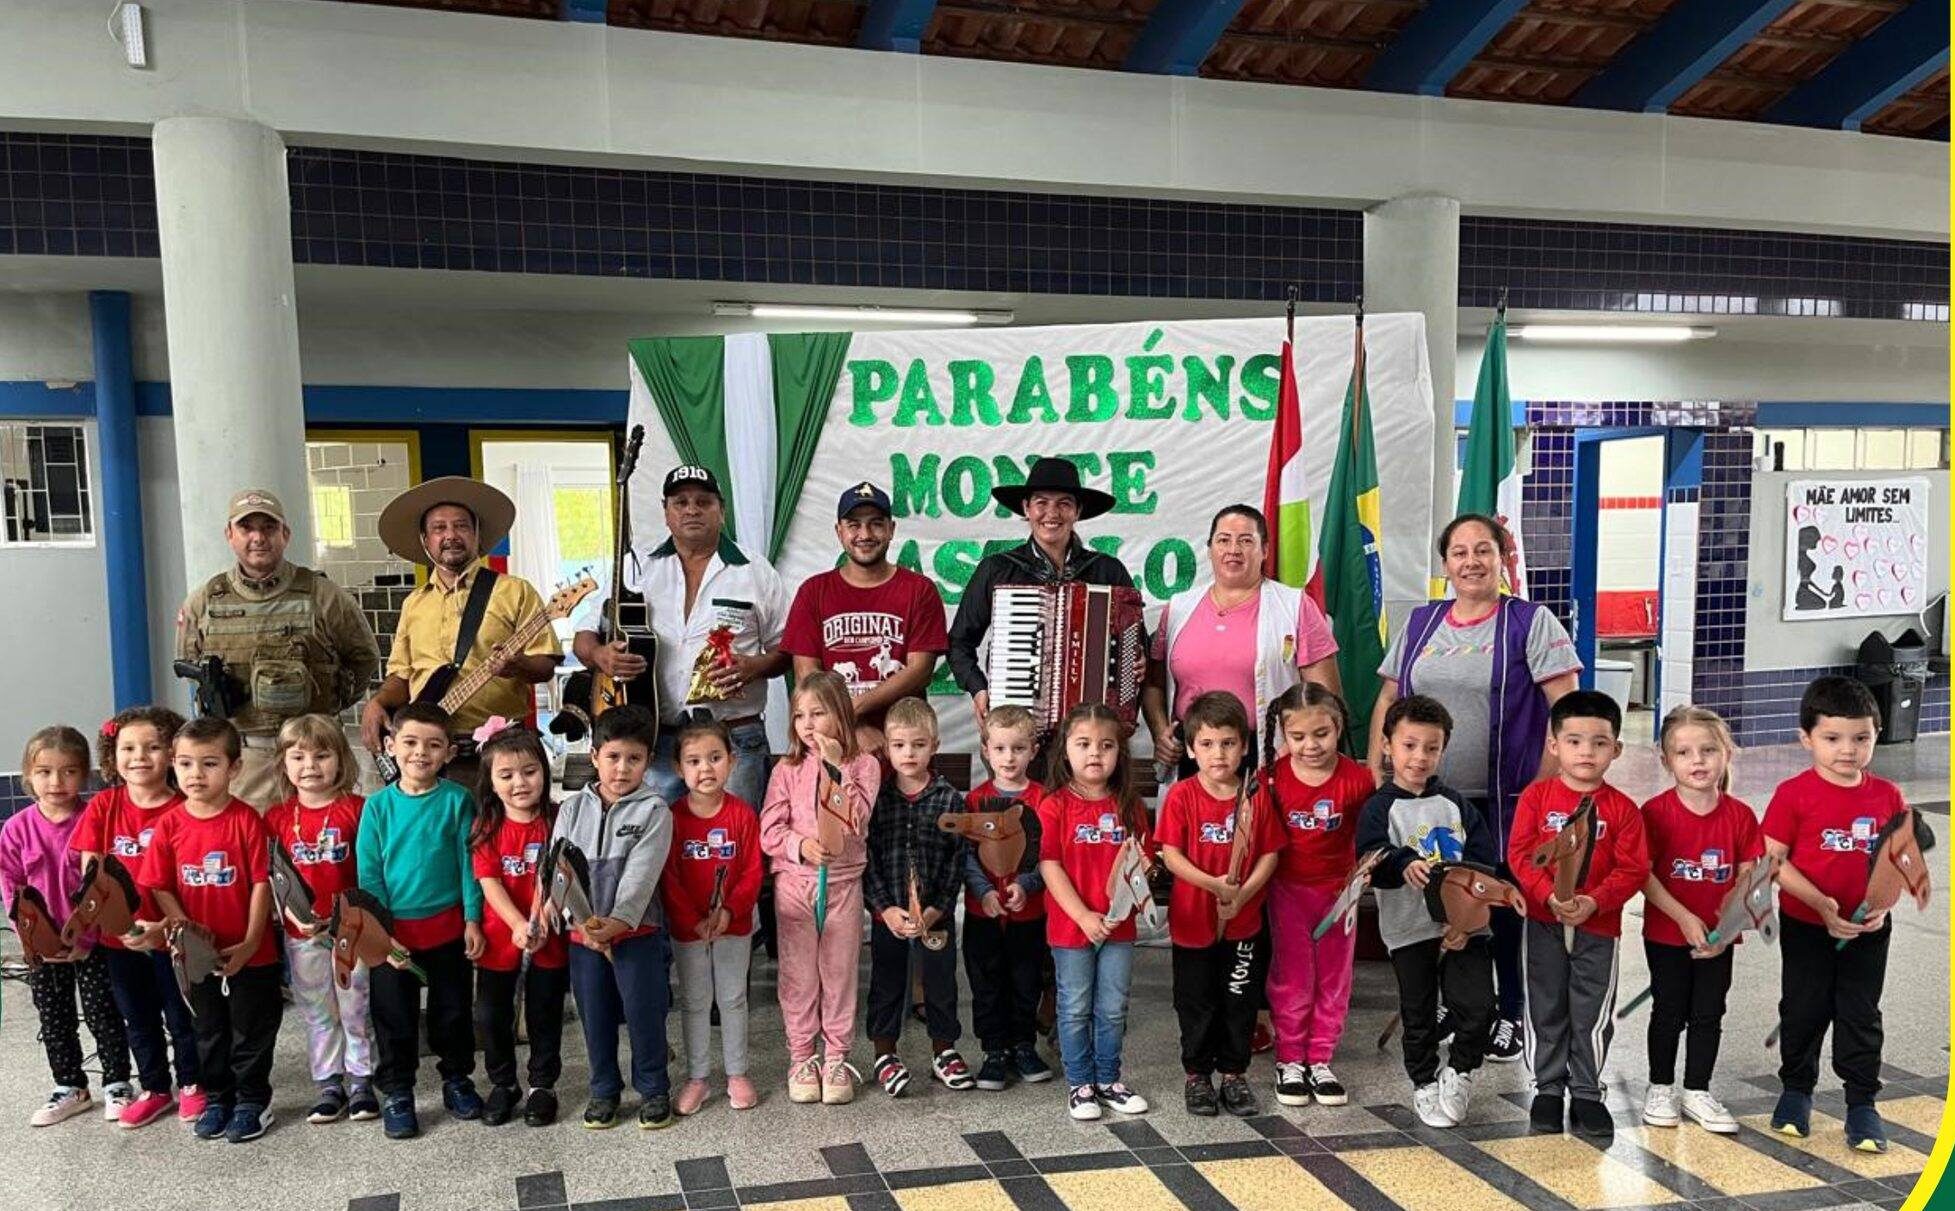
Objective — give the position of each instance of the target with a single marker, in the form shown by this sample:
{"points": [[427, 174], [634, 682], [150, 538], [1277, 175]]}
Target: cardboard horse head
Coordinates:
{"points": [[1568, 852], [107, 900], [362, 933], [291, 895], [1749, 905], [1463, 896], [998, 833], [34, 924], [193, 955], [1896, 866]]}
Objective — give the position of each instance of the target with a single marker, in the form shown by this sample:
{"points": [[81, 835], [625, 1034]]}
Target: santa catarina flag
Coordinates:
{"points": [[1286, 503], [1490, 483], [1348, 582]]}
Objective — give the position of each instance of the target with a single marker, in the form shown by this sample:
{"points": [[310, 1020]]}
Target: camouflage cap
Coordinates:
{"points": [[256, 500]]}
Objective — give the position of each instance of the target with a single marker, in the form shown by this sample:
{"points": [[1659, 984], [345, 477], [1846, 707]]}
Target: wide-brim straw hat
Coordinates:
{"points": [[400, 521]]}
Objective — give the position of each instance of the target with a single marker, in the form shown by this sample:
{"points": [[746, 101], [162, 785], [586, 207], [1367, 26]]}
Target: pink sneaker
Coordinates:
{"points": [[146, 1109], [190, 1102], [692, 1095], [741, 1093]]}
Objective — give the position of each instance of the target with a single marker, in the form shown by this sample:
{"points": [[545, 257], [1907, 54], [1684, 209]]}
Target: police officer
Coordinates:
{"points": [[291, 641]]}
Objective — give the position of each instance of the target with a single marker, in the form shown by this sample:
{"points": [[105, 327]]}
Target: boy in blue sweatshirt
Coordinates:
{"points": [[619, 966], [413, 856]]}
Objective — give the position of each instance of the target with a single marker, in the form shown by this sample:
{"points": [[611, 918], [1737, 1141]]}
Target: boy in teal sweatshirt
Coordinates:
{"points": [[413, 856]]}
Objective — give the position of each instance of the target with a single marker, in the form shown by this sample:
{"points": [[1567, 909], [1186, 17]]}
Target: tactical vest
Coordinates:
{"points": [[273, 648]]}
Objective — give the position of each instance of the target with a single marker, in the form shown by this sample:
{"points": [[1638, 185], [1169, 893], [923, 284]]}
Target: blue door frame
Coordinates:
{"points": [[1587, 525]]}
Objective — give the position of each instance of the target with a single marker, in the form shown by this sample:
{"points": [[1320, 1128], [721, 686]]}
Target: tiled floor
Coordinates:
{"points": [[938, 1149]]}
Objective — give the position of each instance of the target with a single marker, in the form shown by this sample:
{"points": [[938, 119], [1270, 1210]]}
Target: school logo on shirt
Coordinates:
{"points": [[331, 848], [1106, 832], [1320, 817], [1219, 832], [716, 845], [1439, 843], [1557, 821], [1712, 866], [1857, 839], [124, 846], [212, 872], [515, 866]]}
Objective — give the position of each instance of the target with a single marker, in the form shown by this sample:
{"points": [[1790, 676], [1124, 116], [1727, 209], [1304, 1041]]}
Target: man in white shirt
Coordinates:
{"points": [[693, 583]]}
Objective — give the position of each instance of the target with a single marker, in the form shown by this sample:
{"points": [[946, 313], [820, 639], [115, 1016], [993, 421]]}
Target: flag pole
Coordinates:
{"points": [[1290, 313], [1500, 307]]}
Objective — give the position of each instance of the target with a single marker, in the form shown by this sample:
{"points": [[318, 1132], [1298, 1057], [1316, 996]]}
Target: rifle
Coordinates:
{"points": [[218, 693]]}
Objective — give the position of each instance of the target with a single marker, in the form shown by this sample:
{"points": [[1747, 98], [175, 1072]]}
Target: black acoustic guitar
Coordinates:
{"points": [[589, 693]]}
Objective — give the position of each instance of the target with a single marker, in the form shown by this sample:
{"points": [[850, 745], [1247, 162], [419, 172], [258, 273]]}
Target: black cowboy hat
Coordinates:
{"points": [[1053, 475]]}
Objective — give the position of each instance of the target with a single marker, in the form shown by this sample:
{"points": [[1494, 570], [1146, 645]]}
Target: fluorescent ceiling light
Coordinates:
{"points": [[1640, 334], [862, 314]]}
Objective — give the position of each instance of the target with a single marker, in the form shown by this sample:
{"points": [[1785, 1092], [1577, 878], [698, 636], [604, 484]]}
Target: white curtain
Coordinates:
{"points": [[533, 544]]}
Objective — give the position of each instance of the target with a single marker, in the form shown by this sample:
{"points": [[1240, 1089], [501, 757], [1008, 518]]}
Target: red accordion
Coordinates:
{"points": [[1054, 646]]}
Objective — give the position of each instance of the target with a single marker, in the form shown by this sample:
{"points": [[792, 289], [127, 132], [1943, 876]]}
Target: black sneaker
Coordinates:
{"points": [[398, 1119], [541, 1109], [364, 1107], [331, 1106], [501, 1105], [460, 1098], [1590, 1119], [601, 1113], [248, 1122], [655, 1113], [1031, 1069], [1237, 1097], [995, 1073], [1292, 1085], [1546, 1116], [1199, 1096], [1504, 1044], [1326, 1088]]}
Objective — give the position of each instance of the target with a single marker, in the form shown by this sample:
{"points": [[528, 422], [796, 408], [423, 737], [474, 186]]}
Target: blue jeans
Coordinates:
{"points": [[747, 782], [146, 995], [1092, 1009], [632, 989]]}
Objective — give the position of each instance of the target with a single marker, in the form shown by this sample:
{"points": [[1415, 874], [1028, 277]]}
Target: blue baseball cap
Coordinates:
{"points": [[863, 494]]}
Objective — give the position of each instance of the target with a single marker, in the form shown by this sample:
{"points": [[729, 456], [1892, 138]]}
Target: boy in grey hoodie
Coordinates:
{"points": [[619, 973], [1418, 821]]}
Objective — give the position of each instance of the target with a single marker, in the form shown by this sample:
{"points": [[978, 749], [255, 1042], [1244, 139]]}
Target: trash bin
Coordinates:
{"points": [[1897, 673], [1614, 677]]}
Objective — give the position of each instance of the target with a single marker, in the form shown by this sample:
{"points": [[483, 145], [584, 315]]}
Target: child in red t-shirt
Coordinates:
{"points": [[1084, 821], [712, 832], [1005, 955], [134, 749], [506, 843], [1702, 842], [1823, 824], [1317, 794], [209, 865], [1215, 910], [1570, 946], [315, 822]]}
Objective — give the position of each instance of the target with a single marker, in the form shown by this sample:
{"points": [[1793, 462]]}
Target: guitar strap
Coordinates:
{"points": [[472, 612]]}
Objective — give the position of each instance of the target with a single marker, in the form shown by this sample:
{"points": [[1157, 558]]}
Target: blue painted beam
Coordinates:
{"points": [[1682, 47], [896, 25], [1900, 53], [590, 12], [1179, 36], [1436, 44], [121, 523], [340, 405]]}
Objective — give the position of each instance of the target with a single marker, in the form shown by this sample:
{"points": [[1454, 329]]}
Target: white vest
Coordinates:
{"points": [[1276, 641]]}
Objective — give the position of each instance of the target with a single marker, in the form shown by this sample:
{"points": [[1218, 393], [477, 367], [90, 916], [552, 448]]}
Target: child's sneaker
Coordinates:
{"points": [[1793, 1114], [891, 1074], [1590, 1119], [601, 1113], [64, 1103], [740, 1093], [460, 1098], [248, 1122], [540, 1110], [1707, 1112], [1118, 1097], [1504, 1044], [655, 1113], [1547, 1116], [1660, 1106], [500, 1106], [692, 1095], [331, 1106], [1427, 1105], [1084, 1104], [190, 1102], [212, 1122], [1292, 1085], [1031, 1069], [1455, 1093], [1864, 1130], [804, 1082], [398, 1118], [995, 1073], [115, 1099], [950, 1068], [1237, 1097], [1325, 1087], [1198, 1096], [146, 1109], [838, 1078], [363, 1106]]}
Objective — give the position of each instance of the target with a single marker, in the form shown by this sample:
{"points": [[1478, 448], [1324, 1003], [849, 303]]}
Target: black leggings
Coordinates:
{"points": [[1689, 997], [55, 987]]}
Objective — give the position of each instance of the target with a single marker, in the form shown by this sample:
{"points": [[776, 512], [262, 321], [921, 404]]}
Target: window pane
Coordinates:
{"points": [[45, 472], [1794, 441], [1883, 449], [332, 514], [1924, 448], [1831, 449]]}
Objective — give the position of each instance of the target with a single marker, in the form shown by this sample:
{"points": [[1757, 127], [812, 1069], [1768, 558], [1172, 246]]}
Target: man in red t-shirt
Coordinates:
{"points": [[879, 626]]}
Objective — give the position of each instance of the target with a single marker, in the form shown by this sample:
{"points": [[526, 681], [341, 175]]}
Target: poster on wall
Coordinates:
{"points": [[1855, 548]]}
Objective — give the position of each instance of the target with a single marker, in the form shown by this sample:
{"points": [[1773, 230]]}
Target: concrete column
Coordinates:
{"points": [[122, 499], [225, 227], [1411, 263]]}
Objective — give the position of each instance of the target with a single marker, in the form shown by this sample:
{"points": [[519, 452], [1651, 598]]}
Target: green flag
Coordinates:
{"points": [[1490, 483], [1349, 582]]}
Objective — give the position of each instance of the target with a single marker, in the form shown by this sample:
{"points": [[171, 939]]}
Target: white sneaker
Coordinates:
{"points": [[115, 1099], [1118, 1097], [63, 1104], [1707, 1112], [1455, 1093], [1660, 1107], [1085, 1106], [1427, 1103]]}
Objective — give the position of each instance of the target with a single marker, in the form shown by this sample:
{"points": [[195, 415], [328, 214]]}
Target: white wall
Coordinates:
{"points": [[1772, 643]]}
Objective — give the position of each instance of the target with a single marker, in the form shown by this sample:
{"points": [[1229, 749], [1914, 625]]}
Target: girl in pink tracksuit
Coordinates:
{"points": [[818, 968]]}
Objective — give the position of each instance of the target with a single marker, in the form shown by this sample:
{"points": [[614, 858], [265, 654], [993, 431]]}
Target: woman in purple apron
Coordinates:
{"points": [[1497, 663]]}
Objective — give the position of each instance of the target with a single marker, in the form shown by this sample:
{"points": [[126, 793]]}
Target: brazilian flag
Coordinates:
{"points": [[1349, 580]]}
